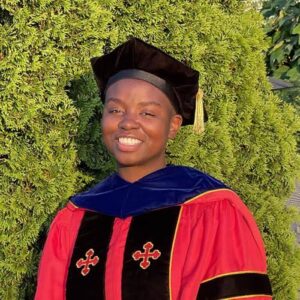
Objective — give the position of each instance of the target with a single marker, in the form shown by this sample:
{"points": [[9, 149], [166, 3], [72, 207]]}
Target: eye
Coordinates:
{"points": [[115, 111], [148, 114]]}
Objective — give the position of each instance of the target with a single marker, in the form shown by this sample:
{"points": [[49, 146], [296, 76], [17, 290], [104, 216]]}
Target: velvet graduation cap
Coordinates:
{"points": [[139, 60]]}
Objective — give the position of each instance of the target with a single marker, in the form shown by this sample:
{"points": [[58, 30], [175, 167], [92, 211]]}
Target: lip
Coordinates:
{"points": [[127, 145]]}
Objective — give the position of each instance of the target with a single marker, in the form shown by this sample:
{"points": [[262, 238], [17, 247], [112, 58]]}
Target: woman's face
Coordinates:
{"points": [[138, 119]]}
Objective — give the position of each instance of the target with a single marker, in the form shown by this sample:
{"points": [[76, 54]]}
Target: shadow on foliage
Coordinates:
{"points": [[5, 17]]}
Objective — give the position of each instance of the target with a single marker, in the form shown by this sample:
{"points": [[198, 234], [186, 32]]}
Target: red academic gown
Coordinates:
{"points": [[207, 247]]}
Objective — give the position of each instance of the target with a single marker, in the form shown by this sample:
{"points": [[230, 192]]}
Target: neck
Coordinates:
{"points": [[134, 173]]}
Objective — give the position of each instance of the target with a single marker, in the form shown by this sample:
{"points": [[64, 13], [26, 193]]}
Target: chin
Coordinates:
{"points": [[127, 164]]}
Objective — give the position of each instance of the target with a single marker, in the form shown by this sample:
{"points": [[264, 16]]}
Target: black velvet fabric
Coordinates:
{"points": [[94, 233], [136, 54], [157, 227], [146, 76], [235, 285]]}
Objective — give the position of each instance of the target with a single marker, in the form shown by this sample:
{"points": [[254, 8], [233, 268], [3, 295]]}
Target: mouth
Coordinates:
{"points": [[129, 141]]}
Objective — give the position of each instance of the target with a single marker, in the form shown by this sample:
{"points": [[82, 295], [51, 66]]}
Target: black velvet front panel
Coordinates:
{"points": [[154, 231], [93, 239]]}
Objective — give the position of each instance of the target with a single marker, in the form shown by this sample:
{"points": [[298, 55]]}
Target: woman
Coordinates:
{"points": [[151, 231]]}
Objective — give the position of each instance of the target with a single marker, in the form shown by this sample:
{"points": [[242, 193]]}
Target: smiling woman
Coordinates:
{"points": [[138, 119], [151, 231]]}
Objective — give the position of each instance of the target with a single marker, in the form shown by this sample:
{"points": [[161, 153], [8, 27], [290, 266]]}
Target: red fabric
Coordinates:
{"points": [[57, 253], [114, 262], [216, 235]]}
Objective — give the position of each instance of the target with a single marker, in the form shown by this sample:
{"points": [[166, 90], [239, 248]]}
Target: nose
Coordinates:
{"points": [[128, 121]]}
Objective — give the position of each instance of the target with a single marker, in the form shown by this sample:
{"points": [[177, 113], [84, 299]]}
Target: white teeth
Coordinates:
{"points": [[129, 141]]}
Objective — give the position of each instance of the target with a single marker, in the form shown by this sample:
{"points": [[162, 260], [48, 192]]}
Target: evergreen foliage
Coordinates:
{"points": [[43, 45], [249, 140], [94, 158]]}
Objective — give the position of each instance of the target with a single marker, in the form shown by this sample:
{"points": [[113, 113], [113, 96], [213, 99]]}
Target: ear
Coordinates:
{"points": [[175, 124]]}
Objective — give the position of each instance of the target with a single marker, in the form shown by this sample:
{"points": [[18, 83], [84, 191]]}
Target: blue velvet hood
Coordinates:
{"points": [[166, 187]]}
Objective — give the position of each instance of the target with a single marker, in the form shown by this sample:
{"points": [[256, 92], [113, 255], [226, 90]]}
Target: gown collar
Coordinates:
{"points": [[163, 188]]}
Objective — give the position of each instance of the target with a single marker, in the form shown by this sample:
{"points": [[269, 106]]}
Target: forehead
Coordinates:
{"points": [[136, 90]]}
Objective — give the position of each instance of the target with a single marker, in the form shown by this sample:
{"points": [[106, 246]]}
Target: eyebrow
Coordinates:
{"points": [[112, 99], [146, 103], [143, 103]]}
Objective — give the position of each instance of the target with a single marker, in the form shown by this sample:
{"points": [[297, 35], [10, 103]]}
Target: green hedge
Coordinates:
{"points": [[43, 45], [50, 138]]}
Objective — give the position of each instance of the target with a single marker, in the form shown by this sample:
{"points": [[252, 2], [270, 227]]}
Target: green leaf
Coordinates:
{"points": [[296, 29], [278, 55], [276, 36], [280, 71], [296, 55], [293, 74], [276, 46]]}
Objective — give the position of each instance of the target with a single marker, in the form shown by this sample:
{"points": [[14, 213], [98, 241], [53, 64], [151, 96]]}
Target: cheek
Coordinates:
{"points": [[108, 123], [107, 127], [165, 128], [160, 133]]}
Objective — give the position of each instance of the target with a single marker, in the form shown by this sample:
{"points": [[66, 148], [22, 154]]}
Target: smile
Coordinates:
{"points": [[128, 141]]}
